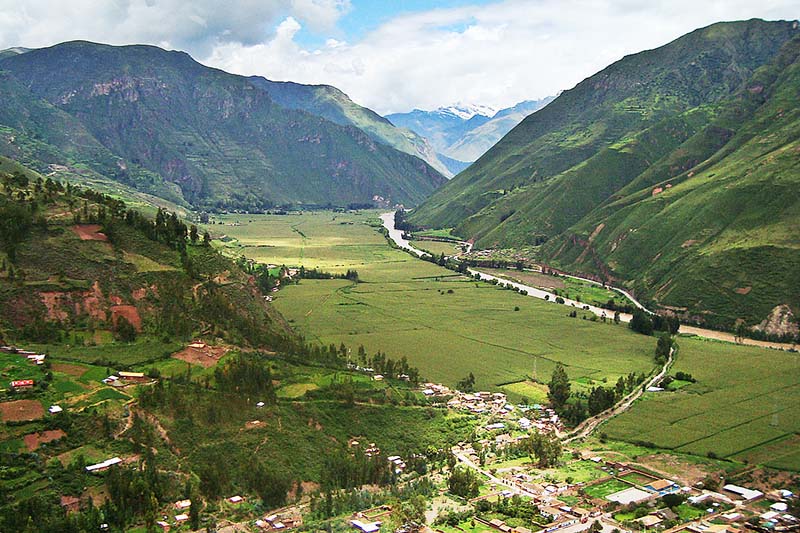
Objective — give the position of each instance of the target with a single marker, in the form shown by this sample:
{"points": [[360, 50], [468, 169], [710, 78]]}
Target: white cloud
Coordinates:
{"points": [[196, 26], [496, 54]]}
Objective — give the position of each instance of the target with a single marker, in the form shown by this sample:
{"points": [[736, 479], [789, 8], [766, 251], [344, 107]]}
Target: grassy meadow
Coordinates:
{"points": [[445, 324], [743, 406]]}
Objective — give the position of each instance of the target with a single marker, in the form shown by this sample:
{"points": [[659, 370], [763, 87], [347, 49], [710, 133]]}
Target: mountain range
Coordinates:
{"points": [[462, 133], [673, 171], [159, 122]]}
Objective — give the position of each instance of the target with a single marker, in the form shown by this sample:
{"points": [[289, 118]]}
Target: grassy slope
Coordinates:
{"points": [[634, 93], [711, 118], [729, 223], [214, 135]]}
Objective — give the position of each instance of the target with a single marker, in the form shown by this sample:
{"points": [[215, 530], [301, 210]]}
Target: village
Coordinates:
{"points": [[587, 490]]}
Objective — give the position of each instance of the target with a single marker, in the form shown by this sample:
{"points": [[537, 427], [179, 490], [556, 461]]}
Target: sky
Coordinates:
{"points": [[390, 55]]}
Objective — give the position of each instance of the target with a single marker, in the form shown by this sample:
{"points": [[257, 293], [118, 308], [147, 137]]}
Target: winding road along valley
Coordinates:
{"points": [[396, 236]]}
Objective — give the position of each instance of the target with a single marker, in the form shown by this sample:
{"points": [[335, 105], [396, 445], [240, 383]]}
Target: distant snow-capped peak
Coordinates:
{"points": [[467, 111]]}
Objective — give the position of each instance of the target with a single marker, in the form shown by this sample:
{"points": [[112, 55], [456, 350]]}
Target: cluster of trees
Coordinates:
{"points": [[401, 223], [406, 500], [513, 507], [543, 448], [467, 384], [645, 323], [314, 273], [663, 348], [577, 407], [247, 375], [343, 470], [464, 482], [386, 366]]}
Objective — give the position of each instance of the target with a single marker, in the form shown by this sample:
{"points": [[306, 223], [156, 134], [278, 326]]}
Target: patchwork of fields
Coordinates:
{"points": [[744, 406], [445, 324]]}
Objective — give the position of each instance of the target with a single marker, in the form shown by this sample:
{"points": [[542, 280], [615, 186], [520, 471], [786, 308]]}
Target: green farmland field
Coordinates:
{"points": [[445, 324], [744, 406]]}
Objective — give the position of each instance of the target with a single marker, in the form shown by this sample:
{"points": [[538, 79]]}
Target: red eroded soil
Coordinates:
{"points": [[89, 232], [20, 410], [129, 312], [33, 440]]}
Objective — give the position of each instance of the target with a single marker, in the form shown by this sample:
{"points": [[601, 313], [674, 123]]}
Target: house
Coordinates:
{"points": [[366, 527], [105, 465], [54, 409], [236, 499], [745, 494], [163, 525], [497, 524], [520, 529], [667, 514], [181, 518], [183, 504], [21, 384], [132, 376], [662, 486]]}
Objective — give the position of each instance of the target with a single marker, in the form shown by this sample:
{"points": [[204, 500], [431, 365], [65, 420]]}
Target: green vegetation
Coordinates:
{"points": [[399, 300], [311, 160], [742, 404], [605, 488], [677, 179], [332, 104]]}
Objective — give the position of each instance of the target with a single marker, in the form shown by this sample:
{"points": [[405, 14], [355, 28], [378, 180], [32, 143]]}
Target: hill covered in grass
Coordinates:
{"points": [[162, 123], [101, 288], [670, 171]]}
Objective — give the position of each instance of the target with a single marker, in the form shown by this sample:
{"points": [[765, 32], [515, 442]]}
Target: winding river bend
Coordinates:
{"points": [[396, 236]]}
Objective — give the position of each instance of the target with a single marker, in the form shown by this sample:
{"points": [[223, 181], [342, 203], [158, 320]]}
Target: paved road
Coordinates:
{"points": [[397, 237]]}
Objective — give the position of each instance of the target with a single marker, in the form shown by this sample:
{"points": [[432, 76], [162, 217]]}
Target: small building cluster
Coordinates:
{"points": [[281, 520], [33, 357]]}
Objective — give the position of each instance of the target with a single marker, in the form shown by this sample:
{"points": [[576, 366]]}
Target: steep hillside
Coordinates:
{"points": [[76, 263], [671, 171], [524, 185], [332, 104], [719, 241], [464, 133], [163, 123]]}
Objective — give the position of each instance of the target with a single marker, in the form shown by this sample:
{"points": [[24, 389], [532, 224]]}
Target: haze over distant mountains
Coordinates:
{"points": [[461, 133]]}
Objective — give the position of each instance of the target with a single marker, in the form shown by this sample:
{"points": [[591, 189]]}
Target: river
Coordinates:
{"points": [[397, 237]]}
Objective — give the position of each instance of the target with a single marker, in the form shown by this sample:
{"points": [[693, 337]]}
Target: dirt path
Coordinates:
{"points": [[586, 427]]}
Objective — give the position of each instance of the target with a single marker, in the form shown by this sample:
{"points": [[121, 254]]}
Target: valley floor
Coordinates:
{"points": [[450, 325]]}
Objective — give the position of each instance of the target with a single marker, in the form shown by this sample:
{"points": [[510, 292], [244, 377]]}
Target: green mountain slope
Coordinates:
{"points": [[334, 105], [672, 171], [160, 121], [720, 241], [545, 153]]}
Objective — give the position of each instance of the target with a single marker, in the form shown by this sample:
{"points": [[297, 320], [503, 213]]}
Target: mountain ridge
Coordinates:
{"points": [[165, 122], [464, 132], [629, 137]]}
